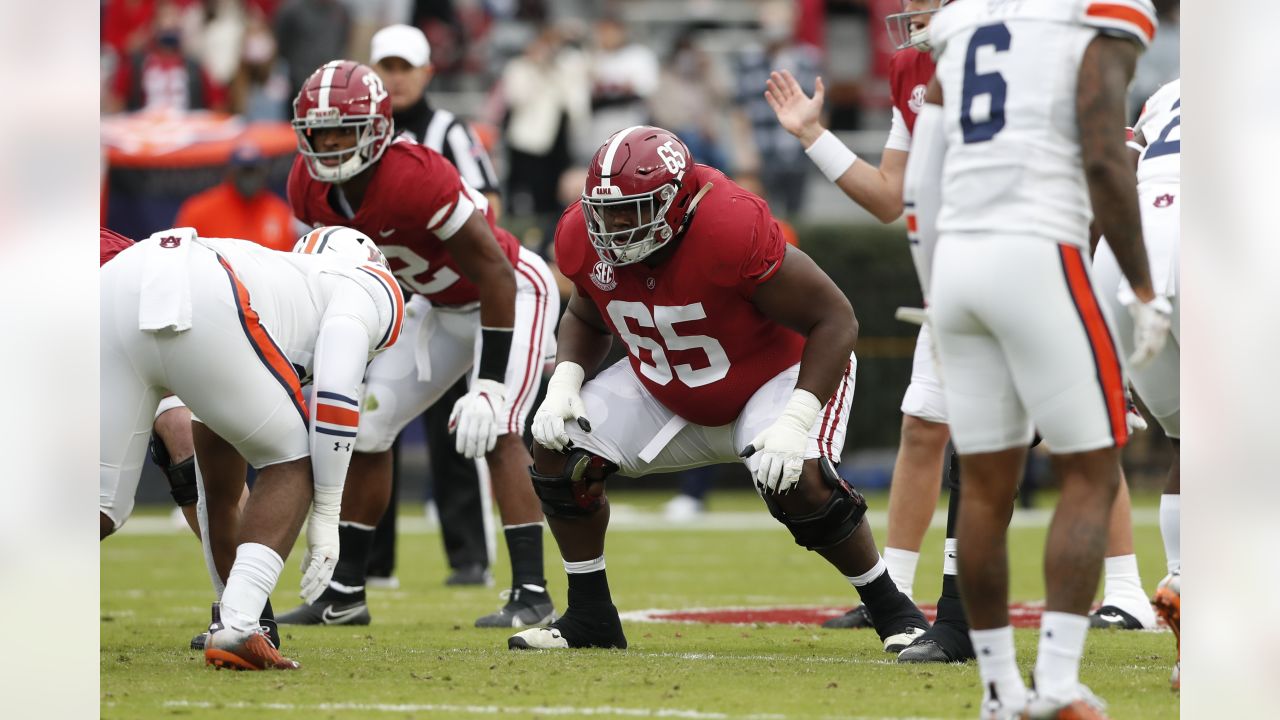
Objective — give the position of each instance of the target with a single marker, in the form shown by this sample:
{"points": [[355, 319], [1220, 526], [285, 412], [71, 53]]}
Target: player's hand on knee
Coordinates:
{"points": [[321, 556], [474, 421], [782, 444], [563, 402], [1150, 329]]}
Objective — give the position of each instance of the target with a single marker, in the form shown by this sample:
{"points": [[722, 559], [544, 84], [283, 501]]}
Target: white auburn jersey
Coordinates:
{"points": [[278, 280], [1161, 127], [1008, 71]]}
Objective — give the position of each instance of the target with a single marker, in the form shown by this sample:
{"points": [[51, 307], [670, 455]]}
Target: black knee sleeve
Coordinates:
{"points": [[182, 476], [565, 494], [182, 482], [830, 524]]}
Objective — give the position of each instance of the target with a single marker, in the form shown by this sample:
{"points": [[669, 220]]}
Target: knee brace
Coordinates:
{"points": [[830, 524], [565, 494], [181, 476]]}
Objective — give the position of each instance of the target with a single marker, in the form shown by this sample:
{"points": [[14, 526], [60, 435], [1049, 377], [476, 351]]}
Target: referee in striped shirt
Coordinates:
{"points": [[401, 55]]}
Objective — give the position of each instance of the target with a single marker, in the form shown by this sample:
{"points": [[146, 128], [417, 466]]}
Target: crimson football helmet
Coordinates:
{"points": [[637, 194], [343, 94], [910, 28]]}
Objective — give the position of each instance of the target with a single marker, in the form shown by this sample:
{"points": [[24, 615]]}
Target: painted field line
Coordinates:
{"points": [[452, 709], [625, 518]]}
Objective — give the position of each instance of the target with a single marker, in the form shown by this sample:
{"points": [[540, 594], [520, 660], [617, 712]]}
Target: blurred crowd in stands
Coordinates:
{"points": [[545, 81]]}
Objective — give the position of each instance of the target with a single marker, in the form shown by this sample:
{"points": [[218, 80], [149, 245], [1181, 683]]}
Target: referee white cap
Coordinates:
{"points": [[402, 41]]}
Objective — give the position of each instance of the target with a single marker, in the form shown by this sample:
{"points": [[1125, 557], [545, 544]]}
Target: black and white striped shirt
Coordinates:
{"points": [[450, 136]]}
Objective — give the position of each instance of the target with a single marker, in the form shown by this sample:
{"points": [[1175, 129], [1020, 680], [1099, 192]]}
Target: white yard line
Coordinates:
{"points": [[625, 518], [451, 709]]}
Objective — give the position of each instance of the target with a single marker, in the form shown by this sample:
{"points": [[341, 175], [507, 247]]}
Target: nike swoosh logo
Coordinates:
{"points": [[337, 618], [1113, 618], [386, 233]]}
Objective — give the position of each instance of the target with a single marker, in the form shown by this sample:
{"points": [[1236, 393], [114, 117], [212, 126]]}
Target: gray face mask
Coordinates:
{"points": [[250, 183]]}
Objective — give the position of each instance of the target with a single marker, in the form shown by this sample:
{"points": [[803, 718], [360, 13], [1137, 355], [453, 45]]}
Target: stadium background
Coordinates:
{"points": [[690, 65]]}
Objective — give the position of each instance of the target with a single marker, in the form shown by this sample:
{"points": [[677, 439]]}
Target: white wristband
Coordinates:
{"points": [[801, 411], [831, 156], [568, 375]]}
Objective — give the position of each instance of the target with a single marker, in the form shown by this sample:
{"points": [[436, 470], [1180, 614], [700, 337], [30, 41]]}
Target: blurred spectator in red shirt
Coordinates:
{"points": [[161, 76], [241, 207]]}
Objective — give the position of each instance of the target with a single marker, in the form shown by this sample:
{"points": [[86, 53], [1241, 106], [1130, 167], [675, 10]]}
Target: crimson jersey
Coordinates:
{"points": [[693, 336], [909, 76], [414, 203], [110, 244]]}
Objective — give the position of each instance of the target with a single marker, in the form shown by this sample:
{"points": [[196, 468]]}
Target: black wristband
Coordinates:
{"points": [[495, 346]]}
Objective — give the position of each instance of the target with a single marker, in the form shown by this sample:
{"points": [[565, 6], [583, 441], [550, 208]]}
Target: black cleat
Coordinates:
{"points": [[598, 628], [473, 574], [527, 605], [856, 618], [1110, 617], [901, 627], [327, 612], [947, 641]]}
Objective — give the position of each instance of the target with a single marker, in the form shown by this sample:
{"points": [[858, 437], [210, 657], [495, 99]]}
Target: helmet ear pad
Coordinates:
{"points": [[651, 169]]}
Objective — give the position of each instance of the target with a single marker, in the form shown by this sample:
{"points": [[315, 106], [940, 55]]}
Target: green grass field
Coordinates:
{"points": [[422, 658]]}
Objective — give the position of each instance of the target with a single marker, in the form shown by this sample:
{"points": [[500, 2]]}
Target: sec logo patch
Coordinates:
{"points": [[603, 277]]}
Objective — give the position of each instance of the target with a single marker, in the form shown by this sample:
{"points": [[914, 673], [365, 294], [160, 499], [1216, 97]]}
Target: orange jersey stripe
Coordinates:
{"points": [[1104, 350], [267, 350], [337, 415], [397, 300], [1125, 13], [912, 225]]}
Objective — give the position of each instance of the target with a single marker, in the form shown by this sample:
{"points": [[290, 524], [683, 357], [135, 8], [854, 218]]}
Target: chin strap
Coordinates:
{"points": [[693, 206]]}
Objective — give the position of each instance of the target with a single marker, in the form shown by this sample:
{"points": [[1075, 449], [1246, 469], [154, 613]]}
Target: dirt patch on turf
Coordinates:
{"points": [[1023, 615]]}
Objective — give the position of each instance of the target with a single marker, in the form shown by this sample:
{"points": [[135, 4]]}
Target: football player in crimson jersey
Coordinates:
{"points": [[482, 307], [914, 490], [739, 350]]}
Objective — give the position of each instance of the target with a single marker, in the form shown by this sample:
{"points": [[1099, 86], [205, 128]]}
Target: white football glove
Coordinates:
{"points": [[563, 402], [1150, 329], [1133, 417], [783, 443], [474, 420], [321, 556]]}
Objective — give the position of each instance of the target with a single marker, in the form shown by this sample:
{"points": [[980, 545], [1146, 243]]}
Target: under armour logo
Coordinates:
{"points": [[171, 241], [341, 446], [1163, 201]]}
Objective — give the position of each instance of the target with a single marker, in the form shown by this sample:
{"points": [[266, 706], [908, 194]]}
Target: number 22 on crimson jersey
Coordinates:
{"points": [[664, 318]]}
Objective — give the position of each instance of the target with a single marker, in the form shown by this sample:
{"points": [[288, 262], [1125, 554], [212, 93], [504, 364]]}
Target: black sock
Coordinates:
{"points": [[353, 559], [881, 596], [586, 589], [524, 545], [267, 613]]}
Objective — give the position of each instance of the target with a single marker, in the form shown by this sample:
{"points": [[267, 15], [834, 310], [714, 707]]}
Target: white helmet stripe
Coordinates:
{"points": [[606, 167], [326, 80]]}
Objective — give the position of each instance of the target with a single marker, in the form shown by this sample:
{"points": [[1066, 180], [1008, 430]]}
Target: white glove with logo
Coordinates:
{"points": [[474, 420], [1150, 329], [1133, 417], [783, 443], [563, 402], [321, 556]]}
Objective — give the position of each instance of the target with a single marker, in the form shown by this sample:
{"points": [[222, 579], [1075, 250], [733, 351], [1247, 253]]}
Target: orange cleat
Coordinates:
{"points": [[1168, 604], [250, 650]]}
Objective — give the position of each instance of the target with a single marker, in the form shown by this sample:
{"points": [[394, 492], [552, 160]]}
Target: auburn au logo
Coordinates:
{"points": [[170, 241]]}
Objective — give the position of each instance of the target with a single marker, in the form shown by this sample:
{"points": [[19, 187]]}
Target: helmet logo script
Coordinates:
{"points": [[672, 158]]}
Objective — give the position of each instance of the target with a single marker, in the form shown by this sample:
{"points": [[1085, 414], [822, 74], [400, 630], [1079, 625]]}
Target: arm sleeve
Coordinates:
{"points": [[899, 135], [1133, 19], [349, 328], [922, 190]]}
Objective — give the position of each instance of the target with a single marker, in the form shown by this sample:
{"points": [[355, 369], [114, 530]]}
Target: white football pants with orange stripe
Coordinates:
{"points": [[438, 345], [225, 368], [1024, 341]]}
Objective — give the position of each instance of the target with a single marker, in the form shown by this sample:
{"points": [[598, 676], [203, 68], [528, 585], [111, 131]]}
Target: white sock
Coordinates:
{"points": [[1123, 589], [1058, 662], [949, 563], [998, 666], [250, 583], [865, 578], [1170, 514], [902, 568]]}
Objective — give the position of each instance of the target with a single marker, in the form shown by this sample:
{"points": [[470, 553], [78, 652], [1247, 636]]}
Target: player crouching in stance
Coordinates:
{"points": [[739, 350], [235, 330]]}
